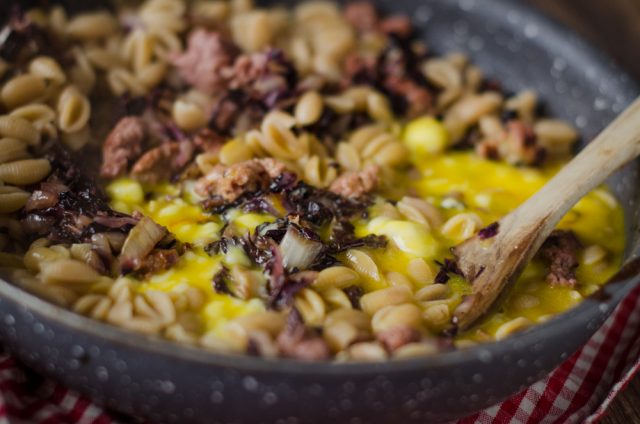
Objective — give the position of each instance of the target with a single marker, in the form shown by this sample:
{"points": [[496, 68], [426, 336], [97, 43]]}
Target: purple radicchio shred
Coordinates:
{"points": [[489, 231], [354, 293], [342, 238], [293, 285], [220, 281], [22, 39], [268, 82], [449, 266], [277, 274], [80, 211], [319, 206], [284, 181]]}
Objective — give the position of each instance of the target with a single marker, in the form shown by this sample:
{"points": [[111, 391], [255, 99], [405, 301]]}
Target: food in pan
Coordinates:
{"points": [[276, 182]]}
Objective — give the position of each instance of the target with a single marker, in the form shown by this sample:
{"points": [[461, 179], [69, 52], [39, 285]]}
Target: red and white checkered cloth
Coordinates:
{"points": [[579, 390]]}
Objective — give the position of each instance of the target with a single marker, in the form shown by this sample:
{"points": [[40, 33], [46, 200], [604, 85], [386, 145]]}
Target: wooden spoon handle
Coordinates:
{"points": [[613, 148]]}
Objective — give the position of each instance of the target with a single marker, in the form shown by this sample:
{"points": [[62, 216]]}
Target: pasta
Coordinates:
{"points": [[284, 182]]}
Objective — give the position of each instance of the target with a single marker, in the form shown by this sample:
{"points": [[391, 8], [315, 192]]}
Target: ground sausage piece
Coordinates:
{"points": [[231, 182], [158, 260], [207, 56], [162, 162], [399, 25], [123, 145], [517, 145], [396, 337], [362, 15], [419, 99], [299, 342], [356, 184], [561, 250]]}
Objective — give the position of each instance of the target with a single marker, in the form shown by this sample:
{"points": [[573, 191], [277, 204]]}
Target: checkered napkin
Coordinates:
{"points": [[579, 390]]}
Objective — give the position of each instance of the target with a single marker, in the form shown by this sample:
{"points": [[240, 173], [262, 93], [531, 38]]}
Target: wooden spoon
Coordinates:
{"points": [[491, 262]]}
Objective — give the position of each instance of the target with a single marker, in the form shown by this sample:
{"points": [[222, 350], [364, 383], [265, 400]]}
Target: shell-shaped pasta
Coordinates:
{"points": [[48, 69], [367, 351], [442, 73], [309, 108], [556, 136], [333, 41], [432, 292], [39, 114], [74, 110], [12, 199], [188, 116], [311, 307], [56, 294], [468, 110], [348, 157], [268, 321], [156, 305], [235, 151], [340, 104], [359, 95], [12, 149], [102, 58], [210, 13], [337, 277], [122, 81], [92, 26], [362, 263], [163, 14], [353, 316], [21, 90], [19, 128], [397, 279], [152, 75], [437, 315], [86, 304], [121, 290], [511, 327], [462, 226], [415, 350], [206, 161], [68, 272], [252, 31], [38, 255], [58, 21], [340, 335], [374, 301], [138, 49], [378, 107], [78, 139], [277, 139], [300, 53], [420, 211], [319, 171], [405, 315], [336, 298], [524, 103], [24, 172], [82, 74], [594, 254], [167, 42]]}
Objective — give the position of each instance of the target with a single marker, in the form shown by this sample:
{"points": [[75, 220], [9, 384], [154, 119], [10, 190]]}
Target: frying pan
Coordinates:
{"points": [[165, 382]]}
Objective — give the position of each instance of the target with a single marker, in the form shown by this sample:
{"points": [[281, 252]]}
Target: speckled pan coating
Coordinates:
{"points": [[169, 383]]}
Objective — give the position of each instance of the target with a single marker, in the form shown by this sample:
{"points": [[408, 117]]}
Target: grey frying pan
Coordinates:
{"points": [[165, 382]]}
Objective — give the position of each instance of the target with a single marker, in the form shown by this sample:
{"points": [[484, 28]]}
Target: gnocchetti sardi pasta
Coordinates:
{"points": [[277, 182]]}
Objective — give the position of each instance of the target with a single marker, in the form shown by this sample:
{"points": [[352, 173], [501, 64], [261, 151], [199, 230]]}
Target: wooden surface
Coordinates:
{"points": [[614, 26]]}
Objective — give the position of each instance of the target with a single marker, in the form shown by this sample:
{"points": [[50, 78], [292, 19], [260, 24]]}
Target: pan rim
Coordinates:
{"points": [[565, 40]]}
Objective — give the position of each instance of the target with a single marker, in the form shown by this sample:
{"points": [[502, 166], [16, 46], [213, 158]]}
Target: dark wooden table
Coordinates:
{"points": [[614, 26]]}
